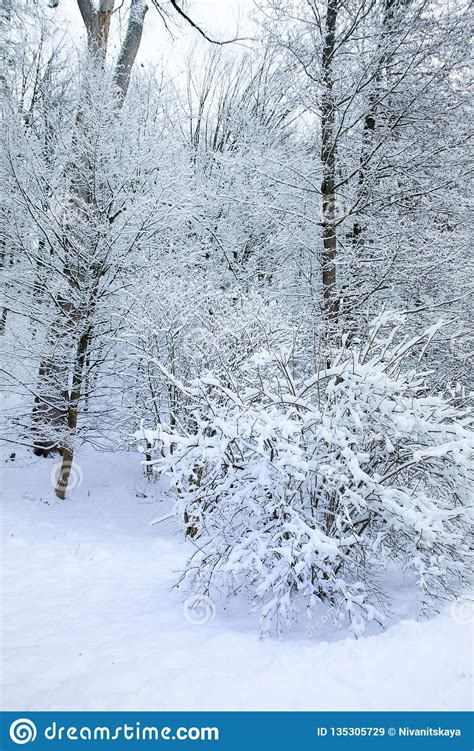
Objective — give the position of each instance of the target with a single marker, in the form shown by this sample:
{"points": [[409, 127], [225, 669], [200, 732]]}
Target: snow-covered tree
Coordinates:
{"points": [[384, 87], [301, 489]]}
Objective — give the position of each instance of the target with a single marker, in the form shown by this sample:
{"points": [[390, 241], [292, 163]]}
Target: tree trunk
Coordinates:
{"points": [[52, 412], [328, 158], [368, 132], [129, 48], [72, 416]]}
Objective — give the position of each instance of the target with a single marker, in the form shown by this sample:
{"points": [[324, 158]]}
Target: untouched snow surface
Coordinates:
{"points": [[90, 621]]}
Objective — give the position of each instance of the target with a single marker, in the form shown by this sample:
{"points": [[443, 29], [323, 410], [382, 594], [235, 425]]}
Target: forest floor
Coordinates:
{"points": [[90, 620]]}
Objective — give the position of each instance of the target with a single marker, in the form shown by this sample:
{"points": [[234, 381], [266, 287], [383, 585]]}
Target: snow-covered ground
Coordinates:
{"points": [[90, 621]]}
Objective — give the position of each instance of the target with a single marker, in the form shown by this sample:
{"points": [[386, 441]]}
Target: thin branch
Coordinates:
{"points": [[194, 25]]}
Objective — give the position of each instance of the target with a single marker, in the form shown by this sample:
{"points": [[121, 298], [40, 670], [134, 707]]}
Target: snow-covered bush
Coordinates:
{"points": [[300, 490]]}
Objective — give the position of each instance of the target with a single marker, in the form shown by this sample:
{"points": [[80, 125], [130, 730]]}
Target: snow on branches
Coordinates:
{"points": [[302, 490]]}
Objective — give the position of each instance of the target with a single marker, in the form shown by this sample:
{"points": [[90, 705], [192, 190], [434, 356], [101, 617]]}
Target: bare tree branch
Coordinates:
{"points": [[194, 25]]}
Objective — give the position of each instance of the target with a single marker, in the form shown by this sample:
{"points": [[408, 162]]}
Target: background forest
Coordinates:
{"points": [[252, 261]]}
